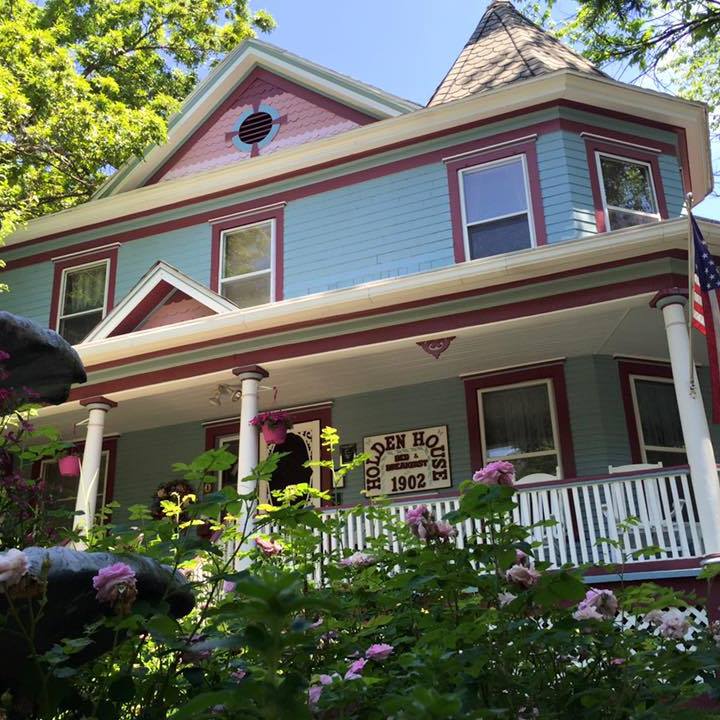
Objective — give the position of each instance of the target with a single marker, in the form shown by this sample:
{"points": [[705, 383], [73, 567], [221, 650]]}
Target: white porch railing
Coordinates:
{"points": [[587, 513]]}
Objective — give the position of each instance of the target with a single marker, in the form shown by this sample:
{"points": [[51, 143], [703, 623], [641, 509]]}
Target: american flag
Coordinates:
{"points": [[705, 308]]}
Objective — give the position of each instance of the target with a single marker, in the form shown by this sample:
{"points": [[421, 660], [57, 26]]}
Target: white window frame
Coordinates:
{"points": [[528, 200], [644, 447], [601, 181], [105, 454], [550, 387], [61, 299], [273, 261]]}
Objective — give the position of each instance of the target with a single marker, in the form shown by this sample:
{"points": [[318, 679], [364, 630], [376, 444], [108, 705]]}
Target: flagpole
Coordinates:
{"points": [[691, 287]]}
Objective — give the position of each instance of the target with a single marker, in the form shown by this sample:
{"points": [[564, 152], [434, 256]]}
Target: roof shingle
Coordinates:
{"points": [[504, 48]]}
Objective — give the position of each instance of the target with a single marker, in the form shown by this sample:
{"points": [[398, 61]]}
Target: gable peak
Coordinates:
{"points": [[506, 47]]}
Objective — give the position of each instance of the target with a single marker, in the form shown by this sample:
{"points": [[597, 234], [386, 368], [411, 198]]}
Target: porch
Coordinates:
{"points": [[606, 520]]}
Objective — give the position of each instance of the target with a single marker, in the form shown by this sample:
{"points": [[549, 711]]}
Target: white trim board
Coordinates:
{"points": [[160, 272]]}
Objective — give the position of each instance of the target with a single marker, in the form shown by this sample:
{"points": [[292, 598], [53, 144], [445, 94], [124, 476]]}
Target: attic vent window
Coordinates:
{"points": [[255, 128]]}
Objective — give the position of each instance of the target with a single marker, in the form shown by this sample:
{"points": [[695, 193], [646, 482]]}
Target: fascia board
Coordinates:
{"points": [[561, 85]]}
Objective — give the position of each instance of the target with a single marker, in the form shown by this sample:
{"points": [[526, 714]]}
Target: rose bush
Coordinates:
{"points": [[410, 626]]}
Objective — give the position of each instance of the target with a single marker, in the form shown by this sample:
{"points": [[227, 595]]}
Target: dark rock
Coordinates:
{"points": [[72, 605], [40, 359]]}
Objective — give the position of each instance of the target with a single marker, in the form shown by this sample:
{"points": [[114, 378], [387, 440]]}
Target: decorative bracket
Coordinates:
{"points": [[436, 347]]}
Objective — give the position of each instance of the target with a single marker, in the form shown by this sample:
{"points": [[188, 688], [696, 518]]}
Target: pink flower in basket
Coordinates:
{"points": [[274, 425]]}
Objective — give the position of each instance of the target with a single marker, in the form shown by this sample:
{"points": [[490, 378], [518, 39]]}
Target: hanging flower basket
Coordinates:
{"points": [[69, 465], [274, 425]]}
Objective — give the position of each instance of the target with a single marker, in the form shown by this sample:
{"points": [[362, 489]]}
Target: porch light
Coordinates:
{"points": [[233, 391]]}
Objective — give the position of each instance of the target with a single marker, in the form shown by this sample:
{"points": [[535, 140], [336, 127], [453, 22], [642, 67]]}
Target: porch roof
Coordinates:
{"points": [[625, 327]]}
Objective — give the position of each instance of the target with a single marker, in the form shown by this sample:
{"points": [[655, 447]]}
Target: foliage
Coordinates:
{"points": [[676, 44], [85, 86], [411, 626]]}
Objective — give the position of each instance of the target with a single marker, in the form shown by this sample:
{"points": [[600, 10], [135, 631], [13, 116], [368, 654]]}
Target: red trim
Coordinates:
{"points": [[592, 146], [99, 399], [454, 167], [471, 318], [323, 413], [278, 215], [552, 371], [65, 264], [670, 293], [626, 368], [678, 254], [350, 178], [286, 85]]}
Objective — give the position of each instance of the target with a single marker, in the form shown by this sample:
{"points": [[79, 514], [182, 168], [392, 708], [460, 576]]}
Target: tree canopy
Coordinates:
{"points": [[86, 85], [677, 43]]}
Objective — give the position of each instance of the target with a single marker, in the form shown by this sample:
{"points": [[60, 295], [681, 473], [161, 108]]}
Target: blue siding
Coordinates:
{"points": [[187, 249], [381, 228], [30, 292], [376, 229]]}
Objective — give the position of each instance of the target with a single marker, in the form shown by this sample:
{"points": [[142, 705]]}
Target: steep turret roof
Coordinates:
{"points": [[506, 47]]}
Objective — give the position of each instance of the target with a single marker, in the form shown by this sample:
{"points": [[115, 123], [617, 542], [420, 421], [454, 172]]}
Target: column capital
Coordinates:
{"points": [[669, 296], [99, 401], [251, 372]]}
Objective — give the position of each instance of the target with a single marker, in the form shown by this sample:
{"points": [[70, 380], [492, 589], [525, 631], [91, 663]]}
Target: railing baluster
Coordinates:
{"points": [[676, 517], [582, 539], [667, 515], [698, 545]]}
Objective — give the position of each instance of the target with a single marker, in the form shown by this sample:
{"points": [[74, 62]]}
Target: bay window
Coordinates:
{"points": [[628, 191]]}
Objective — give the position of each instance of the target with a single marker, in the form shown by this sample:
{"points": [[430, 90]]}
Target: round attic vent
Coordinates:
{"points": [[255, 128]]}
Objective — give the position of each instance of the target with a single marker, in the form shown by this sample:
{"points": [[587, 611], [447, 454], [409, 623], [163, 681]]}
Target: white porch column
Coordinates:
{"points": [[698, 445], [86, 502], [248, 446]]}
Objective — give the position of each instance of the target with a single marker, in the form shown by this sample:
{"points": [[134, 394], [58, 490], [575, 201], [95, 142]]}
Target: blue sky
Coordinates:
{"points": [[402, 46]]}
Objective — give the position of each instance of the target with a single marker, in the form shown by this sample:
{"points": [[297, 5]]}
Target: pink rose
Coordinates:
{"points": [[416, 515], [499, 472], [445, 531], [522, 558], [314, 693], [13, 565], [379, 651], [521, 575], [597, 605], [113, 581], [355, 670], [674, 625], [617, 661], [4, 356], [268, 547], [358, 560], [238, 675], [505, 598], [228, 586]]}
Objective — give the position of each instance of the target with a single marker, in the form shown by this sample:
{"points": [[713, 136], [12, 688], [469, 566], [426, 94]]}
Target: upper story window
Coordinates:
{"points": [[246, 264], [495, 201], [496, 212], [628, 191], [83, 291], [83, 299]]}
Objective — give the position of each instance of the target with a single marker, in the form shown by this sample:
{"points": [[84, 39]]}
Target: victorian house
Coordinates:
{"points": [[491, 276]]}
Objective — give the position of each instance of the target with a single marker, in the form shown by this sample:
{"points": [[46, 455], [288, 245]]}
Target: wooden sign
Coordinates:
{"points": [[409, 461]]}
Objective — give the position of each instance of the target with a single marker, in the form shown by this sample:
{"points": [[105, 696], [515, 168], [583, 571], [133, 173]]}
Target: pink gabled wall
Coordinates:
{"points": [[178, 307], [304, 116]]}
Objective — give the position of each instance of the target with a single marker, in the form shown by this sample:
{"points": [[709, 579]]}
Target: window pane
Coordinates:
{"points": [[75, 329], [659, 415], [247, 250], [517, 420], [620, 219], [84, 289], [247, 292], [494, 191], [499, 236], [627, 184], [543, 464], [668, 459]]}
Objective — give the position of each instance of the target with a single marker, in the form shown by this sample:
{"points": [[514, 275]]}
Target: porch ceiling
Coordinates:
{"points": [[620, 327]]}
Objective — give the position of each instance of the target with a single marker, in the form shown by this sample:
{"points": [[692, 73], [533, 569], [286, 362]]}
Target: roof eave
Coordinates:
{"points": [[561, 85]]}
